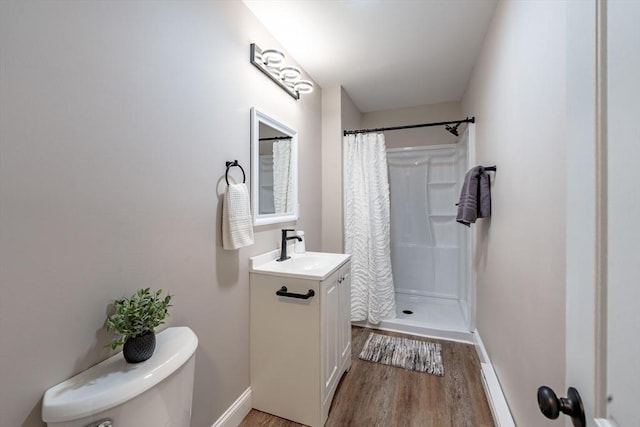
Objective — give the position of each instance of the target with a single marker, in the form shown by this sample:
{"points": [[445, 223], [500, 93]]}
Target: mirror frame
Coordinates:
{"points": [[258, 117]]}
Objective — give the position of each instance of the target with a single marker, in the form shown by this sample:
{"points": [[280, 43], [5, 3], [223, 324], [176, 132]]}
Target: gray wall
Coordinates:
{"points": [[116, 119], [435, 135], [339, 113], [518, 95]]}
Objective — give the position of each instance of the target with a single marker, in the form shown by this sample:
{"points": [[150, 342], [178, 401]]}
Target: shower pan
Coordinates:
{"points": [[430, 251]]}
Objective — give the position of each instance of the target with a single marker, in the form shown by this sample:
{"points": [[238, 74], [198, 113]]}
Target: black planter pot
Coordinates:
{"points": [[140, 348]]}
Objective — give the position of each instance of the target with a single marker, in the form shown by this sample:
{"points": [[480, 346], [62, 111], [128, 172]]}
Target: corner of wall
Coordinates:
{"points": [[234, 415], [338, 113]]}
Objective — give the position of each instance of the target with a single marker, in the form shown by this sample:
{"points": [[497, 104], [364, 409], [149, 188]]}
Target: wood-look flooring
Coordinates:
{"points": [[376, 395]]}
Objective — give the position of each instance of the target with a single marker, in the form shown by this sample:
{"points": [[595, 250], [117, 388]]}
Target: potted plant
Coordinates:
{"points": [[134, 323]]}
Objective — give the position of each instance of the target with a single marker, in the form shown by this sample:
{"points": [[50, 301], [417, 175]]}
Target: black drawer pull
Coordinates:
{"points": [[282, 292]]}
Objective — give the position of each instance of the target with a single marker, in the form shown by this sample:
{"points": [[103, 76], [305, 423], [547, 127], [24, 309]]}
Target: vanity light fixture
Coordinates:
{"points": [[271, 63]]}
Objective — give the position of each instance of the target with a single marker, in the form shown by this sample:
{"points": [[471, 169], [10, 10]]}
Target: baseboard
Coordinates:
{"points": [[234, 415], [602, 422], [497, 402], [421, 331]]}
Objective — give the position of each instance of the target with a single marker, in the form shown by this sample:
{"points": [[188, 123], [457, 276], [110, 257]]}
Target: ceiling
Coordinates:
{"points": [[386, 54]]}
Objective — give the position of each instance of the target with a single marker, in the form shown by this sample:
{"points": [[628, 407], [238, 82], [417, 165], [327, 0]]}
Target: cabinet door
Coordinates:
{"points": [[344, 286], [285, 348], [330, 306]]}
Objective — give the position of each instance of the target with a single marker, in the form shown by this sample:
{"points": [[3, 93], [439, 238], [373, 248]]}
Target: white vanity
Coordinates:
{"points": [[300, 333]]}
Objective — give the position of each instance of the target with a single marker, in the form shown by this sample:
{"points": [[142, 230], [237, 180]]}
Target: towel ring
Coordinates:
{"points": [[229, 166]]}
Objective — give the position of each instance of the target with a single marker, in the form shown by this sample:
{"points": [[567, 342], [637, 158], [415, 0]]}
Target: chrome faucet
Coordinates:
{"points": [[283, 245]]}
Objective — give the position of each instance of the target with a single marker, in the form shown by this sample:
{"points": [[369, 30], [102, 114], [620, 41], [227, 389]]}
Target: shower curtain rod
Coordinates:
{"points": [[274, 138], [353, 132]]}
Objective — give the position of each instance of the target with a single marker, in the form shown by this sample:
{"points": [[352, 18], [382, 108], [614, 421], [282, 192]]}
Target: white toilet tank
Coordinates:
{"points": [[154, 393]]}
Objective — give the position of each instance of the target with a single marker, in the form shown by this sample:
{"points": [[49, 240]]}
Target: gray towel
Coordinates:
{"points": [[475, 197]]}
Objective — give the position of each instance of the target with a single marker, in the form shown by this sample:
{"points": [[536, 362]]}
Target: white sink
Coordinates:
{"points": [[309, 265]]}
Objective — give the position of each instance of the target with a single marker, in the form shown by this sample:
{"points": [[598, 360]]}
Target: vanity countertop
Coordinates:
{"points": [[309, 265]]}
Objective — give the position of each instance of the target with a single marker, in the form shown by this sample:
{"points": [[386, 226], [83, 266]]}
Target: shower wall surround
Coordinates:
{"points": [[428, 247]]}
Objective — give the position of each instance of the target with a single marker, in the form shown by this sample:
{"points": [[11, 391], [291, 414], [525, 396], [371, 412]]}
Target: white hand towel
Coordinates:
{"points": [[237, 227]]}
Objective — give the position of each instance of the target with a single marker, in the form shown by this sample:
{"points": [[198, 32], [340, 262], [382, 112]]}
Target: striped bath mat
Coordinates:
{"points": [[404, 353]]}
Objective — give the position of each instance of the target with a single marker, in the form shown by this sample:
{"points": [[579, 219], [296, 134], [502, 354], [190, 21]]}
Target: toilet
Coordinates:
{"points": [[114, 393]]}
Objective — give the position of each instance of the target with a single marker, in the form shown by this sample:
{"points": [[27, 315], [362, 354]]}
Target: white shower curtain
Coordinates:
{"points": [[282, 176], [366, 187]]}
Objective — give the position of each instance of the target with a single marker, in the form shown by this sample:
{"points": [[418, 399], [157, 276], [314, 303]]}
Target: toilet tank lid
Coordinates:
{"points": [[114, 381]]}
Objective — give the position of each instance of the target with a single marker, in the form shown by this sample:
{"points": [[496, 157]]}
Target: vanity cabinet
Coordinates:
{"points": [[299, 347]]}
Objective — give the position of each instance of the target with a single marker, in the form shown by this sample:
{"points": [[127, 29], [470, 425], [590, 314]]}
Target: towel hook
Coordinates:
{"points": [[229, 166]]}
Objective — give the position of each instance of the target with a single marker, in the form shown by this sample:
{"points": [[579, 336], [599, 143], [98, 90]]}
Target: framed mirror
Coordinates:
{"points": [[274, 170]]}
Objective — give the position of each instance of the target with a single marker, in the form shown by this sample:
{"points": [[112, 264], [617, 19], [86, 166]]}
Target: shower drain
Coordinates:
{"points": [[407, 311]]}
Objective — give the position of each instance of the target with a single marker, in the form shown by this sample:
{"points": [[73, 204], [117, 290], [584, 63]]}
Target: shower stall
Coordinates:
{"points": [[430, 252]]}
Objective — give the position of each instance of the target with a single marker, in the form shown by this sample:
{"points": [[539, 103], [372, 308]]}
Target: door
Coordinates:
{"points": [[603, 141], [330, 306], [623, 268]]}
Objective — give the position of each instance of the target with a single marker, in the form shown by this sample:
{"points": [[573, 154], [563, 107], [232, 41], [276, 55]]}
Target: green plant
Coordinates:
{"points": [[134, 316]]}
